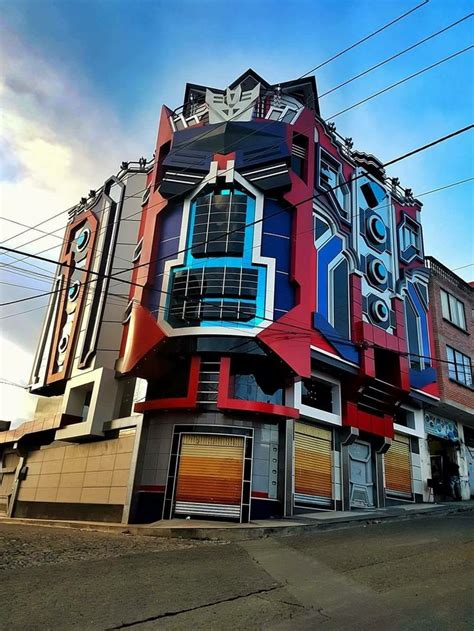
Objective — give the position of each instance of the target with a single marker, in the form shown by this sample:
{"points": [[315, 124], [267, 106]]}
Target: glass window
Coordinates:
{"points": [[340, 289], [331, 178], [453, 309], [219, 224], [405, 418], [413, 335], [459, 366], [410, 237], [256, 382], [317, 394]]}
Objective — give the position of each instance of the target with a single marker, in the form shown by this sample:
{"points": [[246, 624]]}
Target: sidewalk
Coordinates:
{"points": [[230, 531]]}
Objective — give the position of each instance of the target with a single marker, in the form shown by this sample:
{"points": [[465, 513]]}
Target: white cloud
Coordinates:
{"points": [[59, 141], [16, 404]]}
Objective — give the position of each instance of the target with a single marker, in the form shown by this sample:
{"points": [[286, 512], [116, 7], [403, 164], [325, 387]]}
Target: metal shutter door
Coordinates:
{"points": [[398, 467], [210, 476], [313, 465]]}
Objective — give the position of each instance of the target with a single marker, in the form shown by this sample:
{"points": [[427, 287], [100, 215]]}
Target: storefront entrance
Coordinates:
{"points": [[442, 456], [313, 466], [470, 467], [210, 474], [361, 478]]}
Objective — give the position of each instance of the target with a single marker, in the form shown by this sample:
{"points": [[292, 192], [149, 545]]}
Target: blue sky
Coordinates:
{"points": [[85, 81]]}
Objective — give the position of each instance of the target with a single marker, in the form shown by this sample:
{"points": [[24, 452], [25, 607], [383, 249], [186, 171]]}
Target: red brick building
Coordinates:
{"points": [[450, 425]]}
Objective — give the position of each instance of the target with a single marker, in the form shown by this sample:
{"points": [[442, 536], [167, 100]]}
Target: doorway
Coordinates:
{"points": [[210, 474], [361, 477], [442, 453], [470, 468]]}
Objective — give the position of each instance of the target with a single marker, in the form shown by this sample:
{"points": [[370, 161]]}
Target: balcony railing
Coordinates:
{"points": [[271, 105]]}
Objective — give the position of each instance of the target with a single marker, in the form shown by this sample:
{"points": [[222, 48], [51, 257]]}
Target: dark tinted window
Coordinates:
{"points": [[219, 225], [341, 298], [412, 333], [317, 394], [256, 381]]}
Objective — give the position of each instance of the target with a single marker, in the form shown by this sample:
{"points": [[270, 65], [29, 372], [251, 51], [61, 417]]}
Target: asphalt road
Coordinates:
{"points": [[408, 575]]}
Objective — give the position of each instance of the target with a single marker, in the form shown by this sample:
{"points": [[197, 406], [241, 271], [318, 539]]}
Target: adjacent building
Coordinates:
{"points": [[239, 329], [450, 423]]}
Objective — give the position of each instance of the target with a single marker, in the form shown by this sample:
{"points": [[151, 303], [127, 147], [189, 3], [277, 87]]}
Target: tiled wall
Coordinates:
{"points": [[155, 460], [265, 438], [417, 475], [9, 463], [93, 473]]}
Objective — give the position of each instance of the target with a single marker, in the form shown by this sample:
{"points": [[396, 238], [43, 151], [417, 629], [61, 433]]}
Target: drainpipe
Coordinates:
{"points": [[20, 474]]}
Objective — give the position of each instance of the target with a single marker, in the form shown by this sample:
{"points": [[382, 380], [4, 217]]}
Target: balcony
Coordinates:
{"points": [[272, 105]]}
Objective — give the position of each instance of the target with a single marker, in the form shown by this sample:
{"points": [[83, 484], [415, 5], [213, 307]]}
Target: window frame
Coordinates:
{"points": [[458, 304], [414, 240], [463, 368], [418, 356], [207, 248], [307, 411], [343, 192]]}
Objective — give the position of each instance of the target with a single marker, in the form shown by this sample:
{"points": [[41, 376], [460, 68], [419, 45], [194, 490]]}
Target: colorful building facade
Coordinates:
{"points": [[274, 351]]}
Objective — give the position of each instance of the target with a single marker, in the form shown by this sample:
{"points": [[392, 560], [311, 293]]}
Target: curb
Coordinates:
{"points": [[242, 533]]}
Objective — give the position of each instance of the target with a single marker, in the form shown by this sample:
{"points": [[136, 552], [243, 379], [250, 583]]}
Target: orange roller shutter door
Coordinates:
{"points": [[398, 467], [210, 475], [313, 465]]}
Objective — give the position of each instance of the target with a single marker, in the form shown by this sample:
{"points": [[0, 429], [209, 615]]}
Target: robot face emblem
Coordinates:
{"points": [[233, 104]]}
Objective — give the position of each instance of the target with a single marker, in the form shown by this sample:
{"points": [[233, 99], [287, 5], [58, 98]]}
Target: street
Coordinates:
{"points": [[415, 574]]}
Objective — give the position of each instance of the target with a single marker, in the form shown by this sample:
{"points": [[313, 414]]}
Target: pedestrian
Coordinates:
{"points": [[452, 474]]}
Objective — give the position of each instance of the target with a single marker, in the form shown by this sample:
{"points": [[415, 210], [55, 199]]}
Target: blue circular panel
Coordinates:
{"points": [[378, 272], [380, 311], [376, 229], [73, 291], [83, 239]]}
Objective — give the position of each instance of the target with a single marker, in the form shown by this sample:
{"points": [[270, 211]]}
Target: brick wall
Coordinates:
{"points": [[446, 334]]}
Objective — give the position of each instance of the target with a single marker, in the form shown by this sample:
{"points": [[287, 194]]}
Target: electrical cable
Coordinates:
{"points": [[227, 233], [404, 80], [396, 55], [364, 39], [384, 27]]}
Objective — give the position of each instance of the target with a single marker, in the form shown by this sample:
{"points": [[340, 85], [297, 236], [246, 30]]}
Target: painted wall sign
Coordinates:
{"points": [[438, 426]]}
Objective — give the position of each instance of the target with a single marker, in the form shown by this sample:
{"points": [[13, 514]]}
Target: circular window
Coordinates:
{"points": [[378, 272], [379, 311], [376, 229], [73, 291], [63, 342], [83, 239]]}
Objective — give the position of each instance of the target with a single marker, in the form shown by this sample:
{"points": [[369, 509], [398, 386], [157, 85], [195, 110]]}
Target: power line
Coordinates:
{"points": [[227, 233], [384, 27], [462, 267], [397, 83], [286, 334], [355, 105], [395, 56], [364, 39]]}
